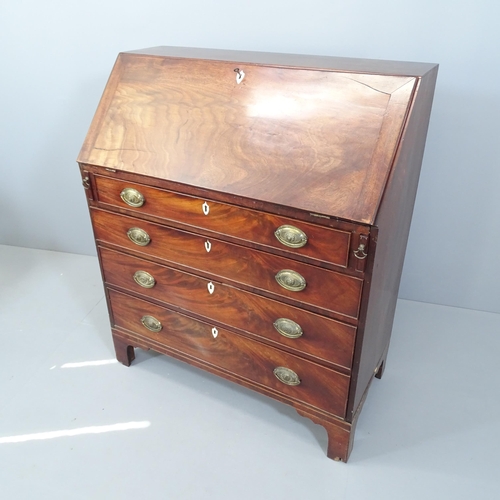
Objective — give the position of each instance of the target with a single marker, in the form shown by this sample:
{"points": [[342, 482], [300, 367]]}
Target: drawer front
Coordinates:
{"points": [[319, 386], [318, 336], [323, 244], [323, 288]]}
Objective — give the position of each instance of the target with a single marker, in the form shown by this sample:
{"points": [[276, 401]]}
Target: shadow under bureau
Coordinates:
{"points": [[251, 213]]}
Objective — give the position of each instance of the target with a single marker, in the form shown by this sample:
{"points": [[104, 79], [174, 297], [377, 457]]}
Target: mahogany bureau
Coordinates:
{"points": [[251, 213]]}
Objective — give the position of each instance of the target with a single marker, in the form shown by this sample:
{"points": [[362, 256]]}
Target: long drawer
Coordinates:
{"points": [[321, 243], [273, 321], [301, 282], [252, 361]]}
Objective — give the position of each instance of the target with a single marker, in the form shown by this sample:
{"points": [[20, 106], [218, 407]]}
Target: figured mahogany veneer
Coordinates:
{"points": [[323, 338], [271, 202], [323, 244], [336, 293], [280, 131], [241, 356]]}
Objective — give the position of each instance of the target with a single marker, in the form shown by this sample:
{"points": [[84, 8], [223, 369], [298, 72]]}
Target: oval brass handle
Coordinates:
{"points": [[291, 236], [288, 328], [151, 323], [291, 280], [144, 279], [132, 197], [287, 376], [138, 236]]}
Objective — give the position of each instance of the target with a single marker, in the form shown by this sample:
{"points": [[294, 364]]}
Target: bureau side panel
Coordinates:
{"points": [[393, 224]]}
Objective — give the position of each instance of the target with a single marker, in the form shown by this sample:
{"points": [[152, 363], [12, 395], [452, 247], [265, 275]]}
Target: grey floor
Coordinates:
{"points": [[74, 424]]}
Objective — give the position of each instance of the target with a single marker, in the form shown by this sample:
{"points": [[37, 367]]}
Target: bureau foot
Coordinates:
{"points": [[381, 366], [339, 443], [340, 436], [124, 352], [380, 370]]}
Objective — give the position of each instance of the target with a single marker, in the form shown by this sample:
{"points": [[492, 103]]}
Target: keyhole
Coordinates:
{"points": [[208, 246], [211, 288], [205, 208], [240, 74], [215, 332]]}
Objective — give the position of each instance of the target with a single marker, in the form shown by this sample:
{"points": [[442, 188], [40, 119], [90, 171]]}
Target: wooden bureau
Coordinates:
{"points": [[251, 213]]}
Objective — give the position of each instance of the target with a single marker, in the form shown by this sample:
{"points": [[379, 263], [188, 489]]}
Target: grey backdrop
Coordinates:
{"points": [[56, 56]]}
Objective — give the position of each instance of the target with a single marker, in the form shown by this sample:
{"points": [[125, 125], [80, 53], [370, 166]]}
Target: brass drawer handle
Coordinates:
{"points": [[144, 279], [291, 280], [360, 252], [288, 328], [287, 376], [132, 197], [291, 236], [138, 236], [151, 323]]}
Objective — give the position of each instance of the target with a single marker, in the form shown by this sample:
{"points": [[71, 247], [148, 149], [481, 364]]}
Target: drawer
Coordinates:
{"points": [[325, 289], [273, 321], [322, 244], [247, 359]]}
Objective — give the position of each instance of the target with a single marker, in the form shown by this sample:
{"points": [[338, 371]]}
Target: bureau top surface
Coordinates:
{"points": [[293, 131]]}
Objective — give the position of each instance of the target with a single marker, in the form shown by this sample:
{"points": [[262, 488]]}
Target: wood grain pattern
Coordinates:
{"points": [[256, 207], [323, 338], [188, 290], [270, 138], [323, 244], [319, 386], [325, 289]]}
